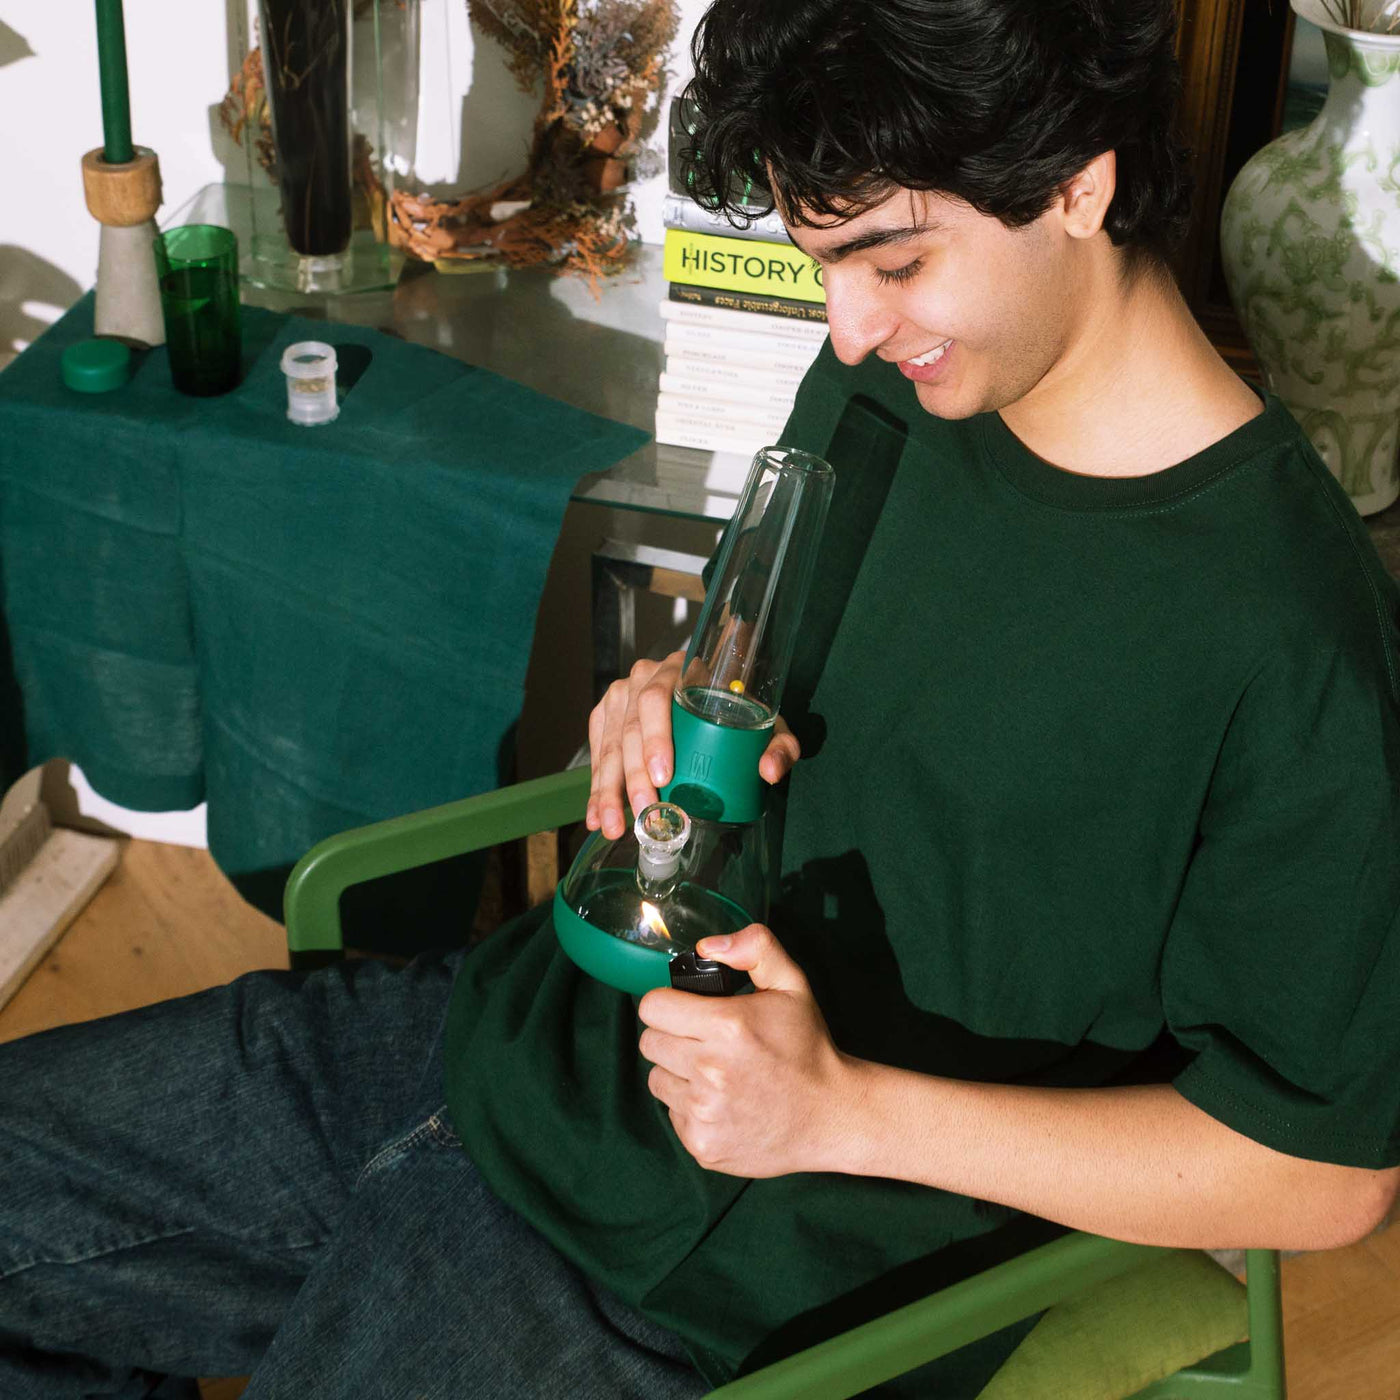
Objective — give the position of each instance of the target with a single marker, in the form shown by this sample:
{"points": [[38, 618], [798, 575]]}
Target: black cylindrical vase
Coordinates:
{"points": [[306, 66]]}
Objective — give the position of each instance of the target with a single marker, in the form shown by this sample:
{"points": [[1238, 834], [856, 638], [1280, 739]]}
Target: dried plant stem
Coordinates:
{"points": [[1349, 14]]}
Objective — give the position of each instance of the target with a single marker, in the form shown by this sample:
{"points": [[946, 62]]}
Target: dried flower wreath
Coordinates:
{"points": [[602, 65]]}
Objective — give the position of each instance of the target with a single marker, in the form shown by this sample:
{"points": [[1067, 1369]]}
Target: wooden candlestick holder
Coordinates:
{"points": [[124, 199]]}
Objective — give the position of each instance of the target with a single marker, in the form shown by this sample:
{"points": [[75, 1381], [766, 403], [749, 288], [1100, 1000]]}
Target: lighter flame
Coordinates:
{"points": [[652, 916]]}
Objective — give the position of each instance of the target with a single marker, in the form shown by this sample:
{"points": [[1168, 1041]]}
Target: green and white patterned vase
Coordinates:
{"points": [[1310, 242]]}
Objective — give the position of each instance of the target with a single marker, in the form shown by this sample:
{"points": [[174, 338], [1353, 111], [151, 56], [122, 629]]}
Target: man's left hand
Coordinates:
{"points": [[754, 1084]]}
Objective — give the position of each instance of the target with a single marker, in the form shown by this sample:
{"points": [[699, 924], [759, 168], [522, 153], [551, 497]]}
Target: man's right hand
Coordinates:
{"points": [[629, 744]]}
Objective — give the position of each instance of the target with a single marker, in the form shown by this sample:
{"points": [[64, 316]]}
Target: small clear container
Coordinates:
{"points": [[310, 369]]}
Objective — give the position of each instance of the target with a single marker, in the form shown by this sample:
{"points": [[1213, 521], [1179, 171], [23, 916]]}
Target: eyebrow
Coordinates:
{"points": [[876, 238]]}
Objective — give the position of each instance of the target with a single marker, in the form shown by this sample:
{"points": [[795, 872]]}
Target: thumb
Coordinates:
{"points": [[782, 752], [755, 950]]}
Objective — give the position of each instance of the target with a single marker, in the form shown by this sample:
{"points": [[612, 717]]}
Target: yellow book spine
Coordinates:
{"points": [[741, 265]]}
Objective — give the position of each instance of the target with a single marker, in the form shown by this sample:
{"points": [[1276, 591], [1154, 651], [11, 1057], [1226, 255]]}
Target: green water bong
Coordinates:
{"points": [[630, 911]]}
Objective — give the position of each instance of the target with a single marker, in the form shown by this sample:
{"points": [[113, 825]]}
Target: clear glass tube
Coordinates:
{"points": [[739, 656]]}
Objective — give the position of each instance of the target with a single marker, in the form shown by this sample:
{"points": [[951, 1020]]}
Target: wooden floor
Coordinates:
{"points": [[167, 923]]}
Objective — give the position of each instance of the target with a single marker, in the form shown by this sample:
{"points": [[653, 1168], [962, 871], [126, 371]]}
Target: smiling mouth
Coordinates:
{"points": [[931, 357]]}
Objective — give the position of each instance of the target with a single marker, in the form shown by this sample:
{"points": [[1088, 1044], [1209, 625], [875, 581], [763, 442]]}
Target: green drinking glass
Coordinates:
{"points": [[197, 265]]}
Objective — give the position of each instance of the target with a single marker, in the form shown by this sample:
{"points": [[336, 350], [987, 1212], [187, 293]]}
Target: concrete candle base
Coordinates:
{"points": [[128, 294]]}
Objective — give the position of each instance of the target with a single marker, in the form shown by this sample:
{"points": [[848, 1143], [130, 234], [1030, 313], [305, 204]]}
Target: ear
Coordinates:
{"points": [[1085, 198]]}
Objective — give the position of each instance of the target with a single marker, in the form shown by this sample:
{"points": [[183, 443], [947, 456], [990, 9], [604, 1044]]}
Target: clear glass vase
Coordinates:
{"points": [[342, 82], [306, 46]]}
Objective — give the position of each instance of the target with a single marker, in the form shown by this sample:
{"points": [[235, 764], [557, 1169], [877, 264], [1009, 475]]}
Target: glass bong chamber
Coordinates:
{"points": [[630, 911]]}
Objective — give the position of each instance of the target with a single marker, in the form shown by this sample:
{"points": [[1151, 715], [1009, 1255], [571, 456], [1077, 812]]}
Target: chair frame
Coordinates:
{"points": [[877, 1351]]}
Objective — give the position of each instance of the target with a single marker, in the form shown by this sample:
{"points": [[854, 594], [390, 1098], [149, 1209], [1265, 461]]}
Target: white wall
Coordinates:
{"points": [[474, 127], [50, 113]]}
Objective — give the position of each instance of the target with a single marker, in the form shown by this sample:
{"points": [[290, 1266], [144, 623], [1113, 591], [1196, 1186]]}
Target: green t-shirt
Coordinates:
{"points": [[1099, 785]]}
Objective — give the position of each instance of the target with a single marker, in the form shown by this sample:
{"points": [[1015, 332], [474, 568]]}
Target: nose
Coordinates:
{"points": [[856, 317]]}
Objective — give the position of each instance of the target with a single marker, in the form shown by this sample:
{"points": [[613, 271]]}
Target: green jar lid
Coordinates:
{"points": [[94, 366]]}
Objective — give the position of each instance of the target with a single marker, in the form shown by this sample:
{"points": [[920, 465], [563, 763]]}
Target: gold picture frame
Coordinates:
{"points": [[1234, 57]]}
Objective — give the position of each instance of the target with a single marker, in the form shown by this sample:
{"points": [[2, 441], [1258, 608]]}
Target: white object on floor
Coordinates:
{"points": [[174, 828]]}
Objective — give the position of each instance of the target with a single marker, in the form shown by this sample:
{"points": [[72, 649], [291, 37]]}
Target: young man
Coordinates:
{"points": [[1108, 787], [1089, 879]]}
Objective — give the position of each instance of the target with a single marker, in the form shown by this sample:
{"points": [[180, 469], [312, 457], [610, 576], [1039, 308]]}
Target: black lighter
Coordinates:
{"points": [[704, 977]]}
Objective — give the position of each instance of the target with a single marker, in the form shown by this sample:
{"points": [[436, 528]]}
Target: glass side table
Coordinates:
{"points": [[597, 349]]}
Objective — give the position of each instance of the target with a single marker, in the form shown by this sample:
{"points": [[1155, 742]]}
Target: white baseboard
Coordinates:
{"points": [[174, 828]]}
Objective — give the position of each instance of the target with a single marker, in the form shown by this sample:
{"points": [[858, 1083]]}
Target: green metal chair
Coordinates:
{"points": [[1119, 1319]]}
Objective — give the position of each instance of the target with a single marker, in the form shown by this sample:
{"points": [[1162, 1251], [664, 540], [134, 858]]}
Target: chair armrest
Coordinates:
{"points": [[944, 1321], [311, 903]]}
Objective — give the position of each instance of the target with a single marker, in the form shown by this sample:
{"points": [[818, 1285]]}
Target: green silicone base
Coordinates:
{"points": [[627, 966], [716, 768]]}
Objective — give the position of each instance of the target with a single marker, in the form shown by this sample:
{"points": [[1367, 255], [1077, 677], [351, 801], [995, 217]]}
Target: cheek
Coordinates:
{"points": [[972, 311], [1006, 304], [969, 300]]}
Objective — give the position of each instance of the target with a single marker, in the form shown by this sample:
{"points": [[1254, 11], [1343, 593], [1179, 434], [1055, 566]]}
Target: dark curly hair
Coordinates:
{"points": [[825, 106]]}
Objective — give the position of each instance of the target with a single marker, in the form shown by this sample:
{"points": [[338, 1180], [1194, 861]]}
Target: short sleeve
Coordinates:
{"points": [[1281, 970]]}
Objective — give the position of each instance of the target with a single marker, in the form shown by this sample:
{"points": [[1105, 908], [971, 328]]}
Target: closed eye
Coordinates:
{"points": [[894, 275]]}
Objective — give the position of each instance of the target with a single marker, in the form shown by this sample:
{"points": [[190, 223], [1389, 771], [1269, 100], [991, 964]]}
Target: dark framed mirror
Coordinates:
{"points": [[1241, 86]]}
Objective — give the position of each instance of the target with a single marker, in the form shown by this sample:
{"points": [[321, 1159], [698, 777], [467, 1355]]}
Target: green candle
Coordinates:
{"points": [[111, 63]]}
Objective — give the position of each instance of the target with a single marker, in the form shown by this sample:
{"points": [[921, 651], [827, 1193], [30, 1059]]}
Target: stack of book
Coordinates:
{"points": [[745, 316]]}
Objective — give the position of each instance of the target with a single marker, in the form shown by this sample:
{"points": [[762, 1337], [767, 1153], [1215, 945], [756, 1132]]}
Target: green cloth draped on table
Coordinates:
{"points": [[312, 628]]}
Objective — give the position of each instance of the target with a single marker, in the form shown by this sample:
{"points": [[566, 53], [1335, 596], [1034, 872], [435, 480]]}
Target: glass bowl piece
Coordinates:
{"points": [[662, 832]]}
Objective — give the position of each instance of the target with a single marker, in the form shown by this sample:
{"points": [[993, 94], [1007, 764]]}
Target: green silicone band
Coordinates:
{"points": [[716, 768], [627, 966]]}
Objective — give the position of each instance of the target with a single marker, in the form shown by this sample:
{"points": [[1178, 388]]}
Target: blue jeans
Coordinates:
{"points": [[260, 1178]]}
